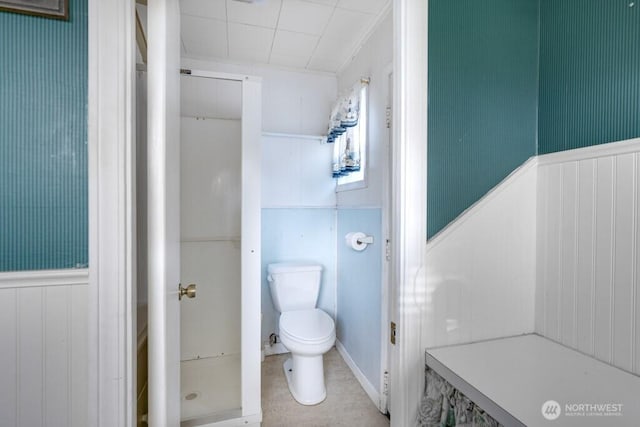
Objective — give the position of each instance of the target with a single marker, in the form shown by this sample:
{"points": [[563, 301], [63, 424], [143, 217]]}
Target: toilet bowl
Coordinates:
{"points": [[307, 334], [306, 331]]}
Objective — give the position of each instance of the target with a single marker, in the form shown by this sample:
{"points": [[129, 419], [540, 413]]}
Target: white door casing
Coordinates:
{"points": [[111, 129], [163, 192], [409, 204], [250, 247]]}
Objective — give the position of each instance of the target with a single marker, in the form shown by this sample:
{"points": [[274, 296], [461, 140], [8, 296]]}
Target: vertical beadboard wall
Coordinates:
{"points": [[483, 95], [43, 136], [589, 73], [588, 290], [43, 349], [480, 271]]}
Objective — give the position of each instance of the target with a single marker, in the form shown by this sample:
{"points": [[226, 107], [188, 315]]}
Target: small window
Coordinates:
{"points": [[352, 145]]}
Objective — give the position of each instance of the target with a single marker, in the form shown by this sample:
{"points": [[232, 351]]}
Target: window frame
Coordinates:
{"points": [[363, 126]]}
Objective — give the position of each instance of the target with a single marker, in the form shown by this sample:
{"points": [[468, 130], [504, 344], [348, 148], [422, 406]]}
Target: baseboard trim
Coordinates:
{"points": [[364, 382]]}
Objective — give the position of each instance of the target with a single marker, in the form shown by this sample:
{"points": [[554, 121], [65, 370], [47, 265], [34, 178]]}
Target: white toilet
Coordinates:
{"points": [[305, 330]]}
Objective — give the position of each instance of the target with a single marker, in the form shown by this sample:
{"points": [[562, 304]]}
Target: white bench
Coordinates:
{"points": [[511, 378]]}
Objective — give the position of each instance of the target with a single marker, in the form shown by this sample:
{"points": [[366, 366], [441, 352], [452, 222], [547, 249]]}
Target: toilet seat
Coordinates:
{"points": [[307, 326]]}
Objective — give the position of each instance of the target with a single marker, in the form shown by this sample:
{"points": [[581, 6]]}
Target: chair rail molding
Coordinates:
{"points": [[44, 278]]}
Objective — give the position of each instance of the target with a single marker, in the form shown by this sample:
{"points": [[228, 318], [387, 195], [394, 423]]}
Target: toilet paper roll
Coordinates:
{"points": [[353, 240]]}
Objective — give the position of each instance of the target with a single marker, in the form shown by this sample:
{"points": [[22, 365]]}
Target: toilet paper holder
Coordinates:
{"points": [[358, 241], [366, 239]]}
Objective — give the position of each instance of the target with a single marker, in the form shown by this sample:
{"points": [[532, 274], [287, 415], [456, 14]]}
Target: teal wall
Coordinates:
{"points": [[483, 89], [589, 73], [43, 141]]}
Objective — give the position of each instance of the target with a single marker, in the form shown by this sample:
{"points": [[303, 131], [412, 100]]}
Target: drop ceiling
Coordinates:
{"points": [[319, 35]]}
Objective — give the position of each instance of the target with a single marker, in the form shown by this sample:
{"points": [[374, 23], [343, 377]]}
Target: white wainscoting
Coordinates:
{"points": [[43, 348], [481, 268], [587, 294]]}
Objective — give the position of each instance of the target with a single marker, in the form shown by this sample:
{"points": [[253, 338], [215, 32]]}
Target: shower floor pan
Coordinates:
{"points": [[210, 388]]}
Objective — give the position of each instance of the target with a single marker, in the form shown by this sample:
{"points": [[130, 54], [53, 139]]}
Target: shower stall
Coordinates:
{"points": [[203, 225], [213, 162]]}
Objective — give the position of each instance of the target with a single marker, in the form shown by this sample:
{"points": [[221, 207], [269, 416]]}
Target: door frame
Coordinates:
{"points": [[387, 295], [112, 228], [409, 203], [111, 106]]}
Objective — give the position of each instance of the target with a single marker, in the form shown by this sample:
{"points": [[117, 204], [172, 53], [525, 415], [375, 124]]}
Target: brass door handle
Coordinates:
{"points": [[189, 291]]}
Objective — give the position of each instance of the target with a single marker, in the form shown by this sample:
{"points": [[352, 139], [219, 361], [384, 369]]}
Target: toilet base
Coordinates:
{"points": [[305, 378]]}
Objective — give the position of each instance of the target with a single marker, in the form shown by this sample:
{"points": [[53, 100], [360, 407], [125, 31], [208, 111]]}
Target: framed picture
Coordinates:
{"points": [[57, 9]]}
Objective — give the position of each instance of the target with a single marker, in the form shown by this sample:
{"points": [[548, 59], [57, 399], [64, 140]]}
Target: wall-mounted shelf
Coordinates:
{"points": [[319, 138]]}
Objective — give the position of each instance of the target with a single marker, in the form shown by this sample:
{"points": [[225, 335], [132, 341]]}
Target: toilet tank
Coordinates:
{"points": [[294, 285]]}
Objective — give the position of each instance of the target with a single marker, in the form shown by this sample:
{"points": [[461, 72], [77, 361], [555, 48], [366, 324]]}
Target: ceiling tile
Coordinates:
{"points": [[250, 43], [294, 44], [332, 47], [289, 61], [327, 2], [329, 64], [204, 37], [304, 17], [263, 14], [367, 6], [349, 25], [204, 8]]}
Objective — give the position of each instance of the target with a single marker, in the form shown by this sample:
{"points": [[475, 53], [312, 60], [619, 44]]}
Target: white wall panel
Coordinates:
{"points": [[209, 178], [210, 322], [552, 249], [373, 61], [8, 357], [604, 254], [292, 101], [296, 173], [542, 213], [585, 266], [31, 357], [588, 251], [56, 355], [43, 351], [481, 270], [79, 404], [636, 271], [623, 262], [568, 254]]}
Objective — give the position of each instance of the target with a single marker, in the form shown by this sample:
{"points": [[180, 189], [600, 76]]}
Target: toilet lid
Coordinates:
{"points": [[307, 325]]}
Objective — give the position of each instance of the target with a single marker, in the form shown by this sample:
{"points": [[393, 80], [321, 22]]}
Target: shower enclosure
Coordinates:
{"points": [[213, 161], [203, 224]]}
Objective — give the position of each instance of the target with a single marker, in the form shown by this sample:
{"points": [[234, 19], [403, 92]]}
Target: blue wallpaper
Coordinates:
{"points": [[43, 141], [483, 89]]}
